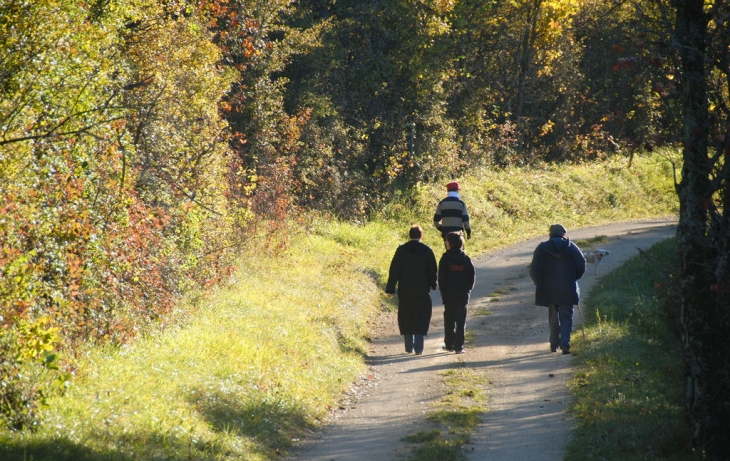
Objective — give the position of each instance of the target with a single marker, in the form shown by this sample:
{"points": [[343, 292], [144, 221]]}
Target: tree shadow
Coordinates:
{"points": [[262, 423], [264, 419]]}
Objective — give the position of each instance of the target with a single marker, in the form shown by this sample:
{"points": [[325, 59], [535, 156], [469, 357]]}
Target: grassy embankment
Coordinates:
{"points": [[628, 388], [260, 361]]}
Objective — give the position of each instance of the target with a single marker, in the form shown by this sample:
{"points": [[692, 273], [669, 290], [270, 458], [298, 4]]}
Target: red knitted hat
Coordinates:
{"points": [[453, 186]]}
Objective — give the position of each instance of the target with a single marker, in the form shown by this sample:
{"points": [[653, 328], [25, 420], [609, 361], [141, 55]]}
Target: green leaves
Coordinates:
{"points": [[28, 371], [113, 169]]}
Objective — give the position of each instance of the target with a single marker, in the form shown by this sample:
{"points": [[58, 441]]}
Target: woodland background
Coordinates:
{"points": [[144, 143]]}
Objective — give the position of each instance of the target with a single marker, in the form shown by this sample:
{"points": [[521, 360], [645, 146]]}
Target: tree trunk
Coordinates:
{"points": [[525, 60], [704, 314], [525, 56]]}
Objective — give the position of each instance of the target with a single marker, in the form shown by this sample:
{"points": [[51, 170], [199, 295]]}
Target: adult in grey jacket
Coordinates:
{"points": [[413, 269], [557, 265]]}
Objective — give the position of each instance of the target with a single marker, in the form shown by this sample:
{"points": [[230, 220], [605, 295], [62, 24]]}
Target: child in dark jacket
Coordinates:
{"points": [[456, 277]]}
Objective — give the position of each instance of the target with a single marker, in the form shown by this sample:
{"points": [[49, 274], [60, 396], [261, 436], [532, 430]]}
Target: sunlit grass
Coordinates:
{"points": [[629, 384], [257, 366], [259, 362], [593, 241], [516, 204]]}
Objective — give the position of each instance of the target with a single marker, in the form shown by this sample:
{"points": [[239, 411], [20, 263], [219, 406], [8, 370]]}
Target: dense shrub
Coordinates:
{"points": [[113, 178]]}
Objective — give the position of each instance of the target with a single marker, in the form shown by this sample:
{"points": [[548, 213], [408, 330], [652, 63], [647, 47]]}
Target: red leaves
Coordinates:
{"points": [[84, 250]]}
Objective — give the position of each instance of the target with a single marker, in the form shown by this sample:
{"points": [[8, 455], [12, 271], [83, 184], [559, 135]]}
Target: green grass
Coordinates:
{"points": [[455, 417], [497, 294], [515, 204], [628, 387], [254, 368], [255, 364]]}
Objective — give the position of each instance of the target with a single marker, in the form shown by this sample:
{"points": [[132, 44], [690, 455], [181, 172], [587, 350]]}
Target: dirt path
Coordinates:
{"points": [[527, 415]]}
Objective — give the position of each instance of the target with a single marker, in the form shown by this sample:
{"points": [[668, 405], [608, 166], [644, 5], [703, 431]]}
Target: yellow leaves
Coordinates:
{"points": [[395, 163], [35, 338], [252, 184], [444, 6], [555, 17], [547, 128]]}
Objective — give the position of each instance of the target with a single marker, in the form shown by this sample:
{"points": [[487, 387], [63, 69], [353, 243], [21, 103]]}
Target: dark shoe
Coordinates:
{"points": [[566, 351], [419, 353], [553, 349], [460, 351], [447, 348]]}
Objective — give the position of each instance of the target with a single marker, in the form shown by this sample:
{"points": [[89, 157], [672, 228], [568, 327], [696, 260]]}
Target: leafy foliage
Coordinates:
{"points": [[111, 159], [29, 373], [402, 92], [256, 44]]}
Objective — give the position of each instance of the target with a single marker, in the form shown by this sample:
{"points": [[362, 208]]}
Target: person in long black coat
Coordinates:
{"points": [[413, 269], [557, 265]]}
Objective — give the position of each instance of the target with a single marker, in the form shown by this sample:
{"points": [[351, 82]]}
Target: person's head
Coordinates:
{"points": [[557, 230], [455, 240], [415, 232], [453, 187]]}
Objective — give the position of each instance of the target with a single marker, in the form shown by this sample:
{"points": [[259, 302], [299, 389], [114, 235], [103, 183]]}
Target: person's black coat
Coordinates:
{"points": [[456, 277], [413, 269], [557, 264]]}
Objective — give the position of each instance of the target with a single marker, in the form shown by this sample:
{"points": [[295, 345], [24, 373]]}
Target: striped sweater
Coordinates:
{"points": [[451, 215]]}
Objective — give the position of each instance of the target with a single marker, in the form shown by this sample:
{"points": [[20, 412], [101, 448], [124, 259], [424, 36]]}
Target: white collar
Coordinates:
{"points": [[452, 193]]}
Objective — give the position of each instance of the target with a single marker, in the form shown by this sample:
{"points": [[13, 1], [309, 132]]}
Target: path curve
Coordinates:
{"points": [[527, 416]]}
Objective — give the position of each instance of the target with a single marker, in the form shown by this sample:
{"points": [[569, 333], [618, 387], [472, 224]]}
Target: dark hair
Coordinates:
{"points": [[415, 232], [455, 239]]}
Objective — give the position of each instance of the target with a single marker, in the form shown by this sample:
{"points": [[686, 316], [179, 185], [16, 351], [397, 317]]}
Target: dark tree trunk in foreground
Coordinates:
{"points": [[702, 238]]}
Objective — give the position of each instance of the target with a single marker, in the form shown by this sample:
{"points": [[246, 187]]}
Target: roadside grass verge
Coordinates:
{"points": [[628, 387], [256, 364]]}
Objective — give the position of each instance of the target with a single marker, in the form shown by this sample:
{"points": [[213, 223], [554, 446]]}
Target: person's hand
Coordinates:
{"points": [[468, 235]]}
